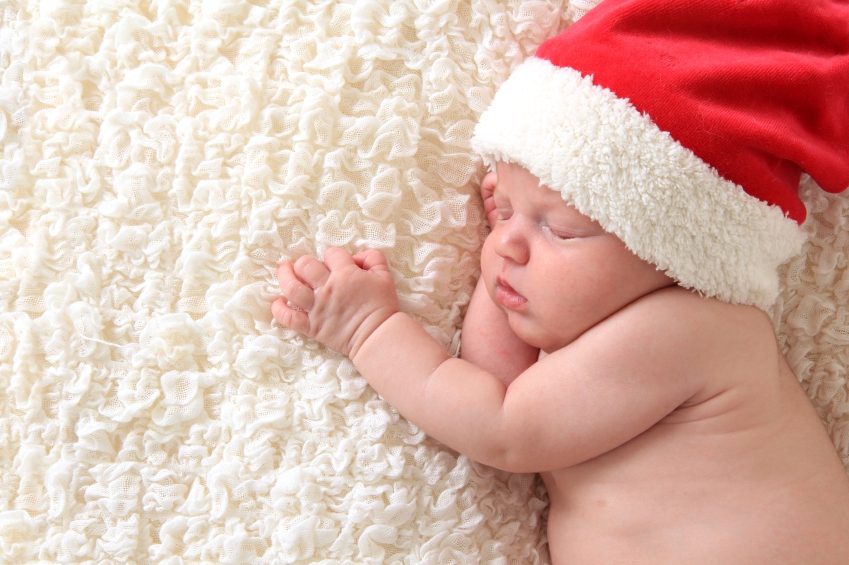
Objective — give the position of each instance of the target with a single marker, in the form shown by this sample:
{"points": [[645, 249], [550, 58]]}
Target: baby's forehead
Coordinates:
{"points": [[563, 207], [519, 183]]}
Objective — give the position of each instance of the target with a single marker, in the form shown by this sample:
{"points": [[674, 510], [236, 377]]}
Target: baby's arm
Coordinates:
{"points": [[579, 402], [487, 339]]}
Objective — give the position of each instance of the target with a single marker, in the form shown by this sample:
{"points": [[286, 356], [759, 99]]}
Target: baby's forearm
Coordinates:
{"points": [[348, 303], [490, 343], [450, 399]]}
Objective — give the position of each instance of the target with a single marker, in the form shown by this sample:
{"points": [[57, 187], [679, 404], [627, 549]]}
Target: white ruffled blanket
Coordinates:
{"points": [[159, 159]]}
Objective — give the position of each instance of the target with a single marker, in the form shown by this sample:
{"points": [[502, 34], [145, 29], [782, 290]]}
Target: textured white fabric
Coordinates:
{"points": [[158, 159], [811, 315], [581, 7], [617, 167]]}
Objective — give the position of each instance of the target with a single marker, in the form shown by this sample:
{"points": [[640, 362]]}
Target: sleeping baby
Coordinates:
{"points": [[617, 341]]}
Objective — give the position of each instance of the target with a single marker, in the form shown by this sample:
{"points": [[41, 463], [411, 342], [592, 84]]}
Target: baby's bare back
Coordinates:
{"points": [[742, 473]]}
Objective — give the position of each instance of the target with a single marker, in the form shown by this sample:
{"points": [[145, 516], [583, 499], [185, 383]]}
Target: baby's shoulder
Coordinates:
{"points": [[703, 336], [677, 308], [672, 348]]}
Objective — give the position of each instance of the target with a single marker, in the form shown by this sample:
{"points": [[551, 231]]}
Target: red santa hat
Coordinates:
{"points": [[683, 127]]}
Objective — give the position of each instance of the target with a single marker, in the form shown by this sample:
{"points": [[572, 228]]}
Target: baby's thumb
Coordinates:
{"points": [[369, 259]]}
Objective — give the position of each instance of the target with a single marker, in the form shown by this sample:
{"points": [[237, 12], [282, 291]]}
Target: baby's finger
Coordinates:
{"points": [[490, 210], [370, 258], [294, 291], [311, 271], [488, 183], [336, 258], [290, 318]]}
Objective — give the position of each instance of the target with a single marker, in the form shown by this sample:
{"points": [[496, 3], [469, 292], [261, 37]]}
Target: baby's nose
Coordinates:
{"points": [[511, 241]]}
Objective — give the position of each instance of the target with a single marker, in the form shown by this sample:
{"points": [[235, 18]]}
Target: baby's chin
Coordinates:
{"points": [[542, 338]]}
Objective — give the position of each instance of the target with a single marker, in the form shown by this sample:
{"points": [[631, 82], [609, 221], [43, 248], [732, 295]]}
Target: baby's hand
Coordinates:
{"points": [[339, 302], [487, 189]]}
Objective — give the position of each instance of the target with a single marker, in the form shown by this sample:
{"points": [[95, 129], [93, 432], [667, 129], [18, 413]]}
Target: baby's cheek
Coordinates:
{"points": [[490, 262], [488, 255]]}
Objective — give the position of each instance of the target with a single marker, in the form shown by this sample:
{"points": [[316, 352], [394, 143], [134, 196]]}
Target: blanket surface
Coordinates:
{"points": [[159, 159]]}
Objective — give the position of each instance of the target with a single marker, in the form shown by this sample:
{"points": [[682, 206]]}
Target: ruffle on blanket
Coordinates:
{"points": [[159, 159]]}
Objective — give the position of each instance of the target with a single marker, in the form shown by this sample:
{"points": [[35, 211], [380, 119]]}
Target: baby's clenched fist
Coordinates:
{"points": [[338, 303]]}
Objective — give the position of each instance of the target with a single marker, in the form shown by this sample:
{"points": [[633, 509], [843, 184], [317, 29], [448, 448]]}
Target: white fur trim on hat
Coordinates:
{"points": [[617, 167]]}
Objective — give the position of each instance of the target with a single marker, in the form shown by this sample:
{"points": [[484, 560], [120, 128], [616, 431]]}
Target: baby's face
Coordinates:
{"points": [[555, 272]]}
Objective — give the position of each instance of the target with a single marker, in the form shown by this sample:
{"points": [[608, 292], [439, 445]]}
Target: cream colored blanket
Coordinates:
{"points": [[158, 160]]}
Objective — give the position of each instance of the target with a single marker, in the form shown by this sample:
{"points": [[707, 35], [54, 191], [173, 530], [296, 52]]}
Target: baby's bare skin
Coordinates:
{"points": [[742, 472], [667, 427]]}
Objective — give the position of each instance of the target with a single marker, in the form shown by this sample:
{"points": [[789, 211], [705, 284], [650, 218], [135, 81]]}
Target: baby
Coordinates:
{"points": [[667, 427], [616, 342]]}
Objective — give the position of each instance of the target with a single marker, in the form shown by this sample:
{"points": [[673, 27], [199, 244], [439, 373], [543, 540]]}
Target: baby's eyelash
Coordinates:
{"points": [[554, 234]]}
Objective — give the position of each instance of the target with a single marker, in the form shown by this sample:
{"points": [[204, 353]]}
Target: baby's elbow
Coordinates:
{"points": [[521, 455], [516, 463], [524, 462], [511, 457]]}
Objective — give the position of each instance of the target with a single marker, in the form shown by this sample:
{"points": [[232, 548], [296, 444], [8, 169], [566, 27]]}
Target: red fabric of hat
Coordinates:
{"points": [[758, 89]]}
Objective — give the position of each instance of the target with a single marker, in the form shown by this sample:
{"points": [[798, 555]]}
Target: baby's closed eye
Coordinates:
{"points": [[559, 234]]}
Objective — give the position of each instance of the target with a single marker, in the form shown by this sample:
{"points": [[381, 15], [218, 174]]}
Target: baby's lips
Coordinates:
{"points": [[506, 295], [501, 281]]}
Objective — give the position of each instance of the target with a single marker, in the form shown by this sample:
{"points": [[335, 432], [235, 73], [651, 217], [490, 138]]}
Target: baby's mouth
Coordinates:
{"points": [[507, 296]]}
